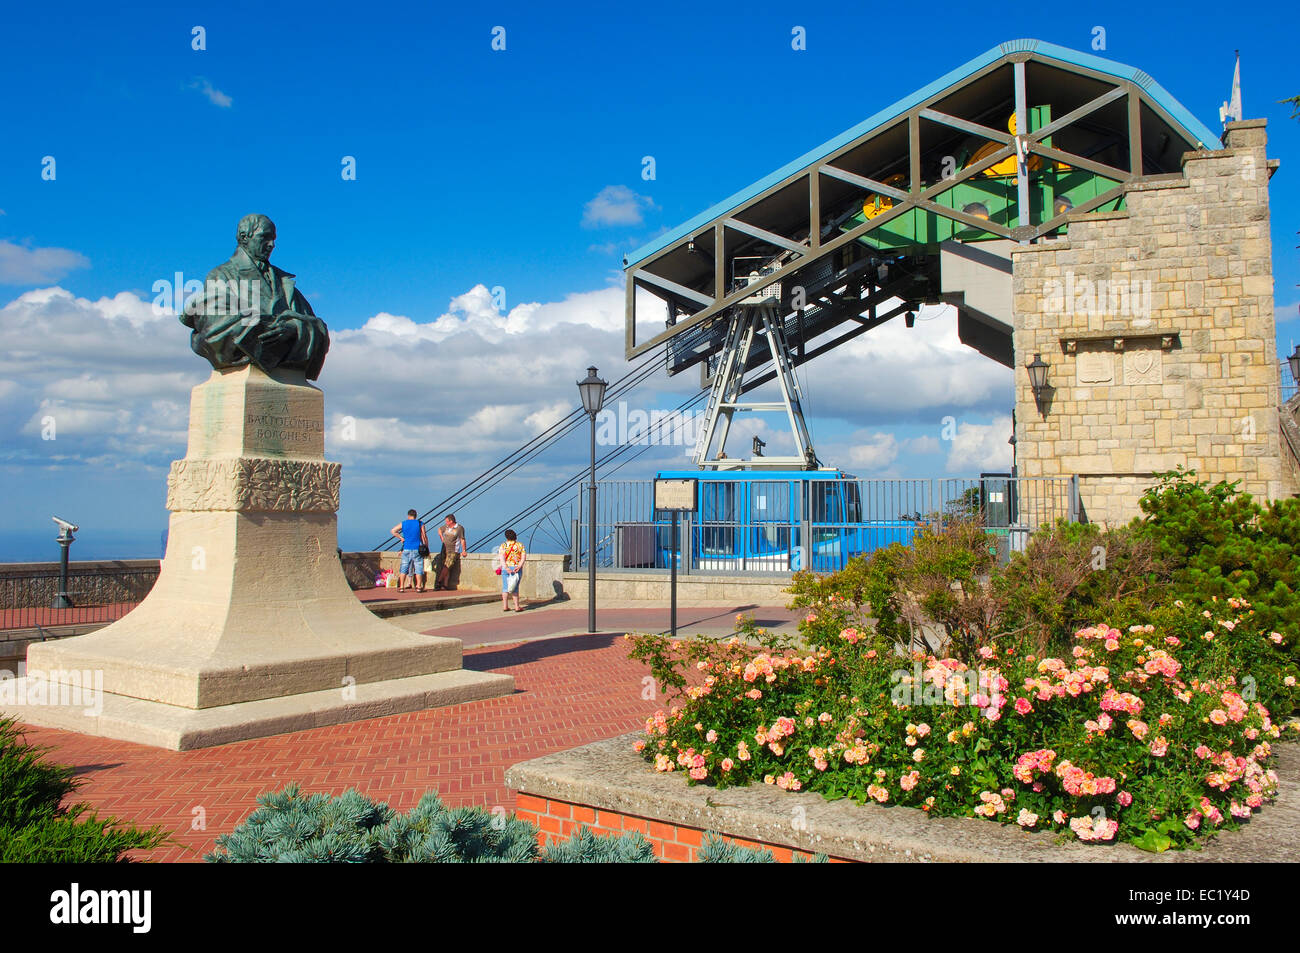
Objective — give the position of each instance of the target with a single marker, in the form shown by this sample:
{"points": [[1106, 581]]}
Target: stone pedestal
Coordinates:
{"points": [[251, 628]]}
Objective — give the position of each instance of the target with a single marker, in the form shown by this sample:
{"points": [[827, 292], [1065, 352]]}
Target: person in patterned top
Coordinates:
{"points": [[510, 565]]}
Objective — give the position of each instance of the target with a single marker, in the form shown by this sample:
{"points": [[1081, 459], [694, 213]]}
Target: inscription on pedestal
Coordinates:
{"points": [[245, 412], [283, 431]]}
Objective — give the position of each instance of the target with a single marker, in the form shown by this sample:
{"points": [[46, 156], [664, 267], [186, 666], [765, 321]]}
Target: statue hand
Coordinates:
{"points": [[277, 334]]}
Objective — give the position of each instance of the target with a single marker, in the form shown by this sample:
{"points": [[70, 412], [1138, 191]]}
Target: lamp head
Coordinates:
{"points": [[592, 389]]}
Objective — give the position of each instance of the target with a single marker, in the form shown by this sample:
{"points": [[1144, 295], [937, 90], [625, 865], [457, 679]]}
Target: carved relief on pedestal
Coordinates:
{"points": [[252, 484]]}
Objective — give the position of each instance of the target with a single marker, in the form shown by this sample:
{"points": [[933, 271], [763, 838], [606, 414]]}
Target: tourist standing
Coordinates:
{"points": [[510, 565], [415, 546], [452, 535]]}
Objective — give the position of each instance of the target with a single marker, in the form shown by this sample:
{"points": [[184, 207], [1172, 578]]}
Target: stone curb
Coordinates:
{"points": [[609, 775]]}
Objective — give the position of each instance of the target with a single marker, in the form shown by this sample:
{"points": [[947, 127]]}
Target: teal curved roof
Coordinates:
{"points": [[1195, 129]]}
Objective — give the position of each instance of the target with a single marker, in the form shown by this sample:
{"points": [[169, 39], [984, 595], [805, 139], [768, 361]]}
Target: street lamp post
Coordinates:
{"points": [[592, 389]]}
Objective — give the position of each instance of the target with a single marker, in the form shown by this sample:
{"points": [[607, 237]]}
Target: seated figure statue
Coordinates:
{"points": [[250, 312]]}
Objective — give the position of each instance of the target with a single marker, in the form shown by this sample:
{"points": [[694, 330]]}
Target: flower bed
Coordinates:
{"points": [[1153, 733]]}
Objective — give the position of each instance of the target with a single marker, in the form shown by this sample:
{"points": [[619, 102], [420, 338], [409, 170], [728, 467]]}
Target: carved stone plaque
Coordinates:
{"points": [[249, 484], [1143, 366], [1096, 367]]}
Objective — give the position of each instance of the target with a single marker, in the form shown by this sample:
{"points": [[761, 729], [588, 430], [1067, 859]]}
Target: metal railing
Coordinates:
{"points": [[782, 525], [1286, 382], [98, 595]]}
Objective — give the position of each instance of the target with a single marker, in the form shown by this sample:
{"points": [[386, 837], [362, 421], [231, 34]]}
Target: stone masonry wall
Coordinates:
{"points": [[1157, 326]]}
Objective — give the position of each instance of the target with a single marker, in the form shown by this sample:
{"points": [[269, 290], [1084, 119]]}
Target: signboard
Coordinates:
{"points": [[676, 495]]}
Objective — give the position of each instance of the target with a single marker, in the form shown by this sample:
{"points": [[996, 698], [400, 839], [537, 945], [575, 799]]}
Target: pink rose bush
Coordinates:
{"points": [[1147, 734]]}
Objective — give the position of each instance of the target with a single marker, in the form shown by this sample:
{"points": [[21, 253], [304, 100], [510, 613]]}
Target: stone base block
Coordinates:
{"points": [[247, 606], [182, 729]]}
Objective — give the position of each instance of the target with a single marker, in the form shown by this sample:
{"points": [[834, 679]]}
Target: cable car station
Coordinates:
{"points": [[1091, 233]]}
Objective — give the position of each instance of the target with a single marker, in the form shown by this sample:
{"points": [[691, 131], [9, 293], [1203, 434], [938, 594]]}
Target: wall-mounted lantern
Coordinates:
{"points": [[1037, 369]]}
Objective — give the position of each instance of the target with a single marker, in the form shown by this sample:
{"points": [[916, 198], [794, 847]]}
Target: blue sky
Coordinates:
{"points": [[473, 167]]}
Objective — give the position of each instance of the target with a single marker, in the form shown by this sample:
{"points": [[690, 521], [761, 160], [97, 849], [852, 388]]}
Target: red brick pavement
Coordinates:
{"points": [[30, 618], [534, 623], [569, 692]]}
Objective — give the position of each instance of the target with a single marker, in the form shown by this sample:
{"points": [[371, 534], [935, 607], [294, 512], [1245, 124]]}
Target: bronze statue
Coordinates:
{"points": [[250, 312]]}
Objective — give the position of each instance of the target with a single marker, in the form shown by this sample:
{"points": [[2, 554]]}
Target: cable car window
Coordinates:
{"points": [[718, 504]]}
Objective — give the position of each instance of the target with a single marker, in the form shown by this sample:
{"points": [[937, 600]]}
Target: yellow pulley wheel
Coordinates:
{"points": [[883, 203]]}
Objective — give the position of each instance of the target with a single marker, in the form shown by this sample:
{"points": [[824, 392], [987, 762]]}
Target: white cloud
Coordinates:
{"points": [[97, 376], [981, 447], [615, 205], [451, 394], [921, 445], [30, 266], [426, 405], [214, 95], [894, 374], [547, 417], [875, 452]]}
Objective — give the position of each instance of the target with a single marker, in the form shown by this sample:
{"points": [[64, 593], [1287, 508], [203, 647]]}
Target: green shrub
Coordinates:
{"points": [[715, 850], [31, 788], [584, 847], [75, 837], [36, 826], [292, 827], [1074, 575], [1220, 543], [929, 595]]}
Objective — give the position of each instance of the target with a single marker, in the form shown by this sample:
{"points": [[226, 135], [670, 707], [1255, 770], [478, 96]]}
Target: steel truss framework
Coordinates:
{"points": [[748, 322], [1119, 112]]}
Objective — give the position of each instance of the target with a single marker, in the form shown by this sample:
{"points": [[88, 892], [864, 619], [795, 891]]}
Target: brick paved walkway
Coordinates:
{"points": [[570, 691], [539, 621]]}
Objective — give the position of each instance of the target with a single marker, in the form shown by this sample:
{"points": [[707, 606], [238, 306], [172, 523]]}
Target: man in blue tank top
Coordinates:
{"points": [[415, 546]]}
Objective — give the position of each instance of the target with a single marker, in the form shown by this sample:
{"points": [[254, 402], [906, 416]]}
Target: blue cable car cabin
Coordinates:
{"points": [[755, 520]]}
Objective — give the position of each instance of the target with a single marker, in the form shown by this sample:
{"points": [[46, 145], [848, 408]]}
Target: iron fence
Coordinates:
{"points": [[783, 525], [98, 595]]}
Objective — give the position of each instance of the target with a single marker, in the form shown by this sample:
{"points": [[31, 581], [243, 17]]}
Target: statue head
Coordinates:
{"points": [[256, 235]]}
